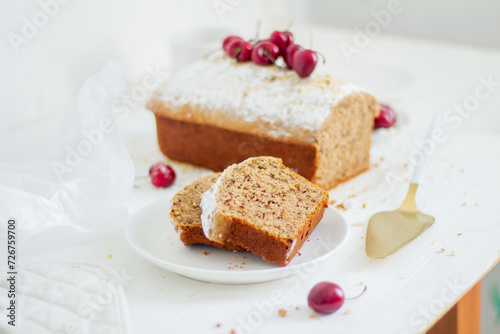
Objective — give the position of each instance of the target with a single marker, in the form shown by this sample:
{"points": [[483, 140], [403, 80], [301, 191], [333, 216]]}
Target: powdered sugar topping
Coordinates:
{"points": [[265, 99]]}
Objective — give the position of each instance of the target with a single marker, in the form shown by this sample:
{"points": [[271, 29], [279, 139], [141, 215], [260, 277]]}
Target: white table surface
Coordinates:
{"points": [[406, 292]]}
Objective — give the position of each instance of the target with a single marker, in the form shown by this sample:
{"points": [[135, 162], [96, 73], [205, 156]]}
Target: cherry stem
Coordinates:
{"points": [[266, 54], [289, 26], [258, 31], [323, 57], [358, 295]]}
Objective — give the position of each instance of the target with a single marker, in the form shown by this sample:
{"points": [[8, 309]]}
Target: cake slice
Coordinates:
{"points": [[264, 207], [185, 213]]}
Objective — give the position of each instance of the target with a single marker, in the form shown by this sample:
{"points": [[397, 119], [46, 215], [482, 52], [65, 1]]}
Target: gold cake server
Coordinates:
{"points": [[389, 231]]}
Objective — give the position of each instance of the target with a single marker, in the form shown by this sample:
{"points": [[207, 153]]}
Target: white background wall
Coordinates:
{"points": [[41, 76], [461, 21]]}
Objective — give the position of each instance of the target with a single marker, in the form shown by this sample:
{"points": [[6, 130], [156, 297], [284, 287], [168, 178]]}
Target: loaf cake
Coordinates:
{"points": [[185, 213], [264, 207], [218, 112]]}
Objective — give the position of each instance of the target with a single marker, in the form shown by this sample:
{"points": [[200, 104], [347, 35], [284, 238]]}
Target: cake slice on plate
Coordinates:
{"points": [[185, 213], [264, 207]]}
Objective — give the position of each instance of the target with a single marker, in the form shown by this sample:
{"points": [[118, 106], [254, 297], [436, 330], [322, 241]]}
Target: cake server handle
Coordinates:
{"points": [[419, 168]]}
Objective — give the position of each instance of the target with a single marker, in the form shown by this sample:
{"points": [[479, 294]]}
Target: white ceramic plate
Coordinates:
{"points": [[151, 234]]}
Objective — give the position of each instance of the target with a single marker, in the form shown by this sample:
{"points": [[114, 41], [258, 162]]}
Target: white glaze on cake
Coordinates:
{"points": [[209, 209], [264, 100], [292, 246]]}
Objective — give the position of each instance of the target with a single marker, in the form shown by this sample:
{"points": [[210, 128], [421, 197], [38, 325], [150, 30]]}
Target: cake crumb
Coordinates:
{"points": [[282, 313], [461, 170], [312, 316], [205, 252], [233, 331], [340, 206], [110, 256], [332, 202], [459, 234], [464, 204], [299, 254], [384, 200], [441, 250], [358, 224], [218, 325], [453, 253], [364, 205], [347, 312], [402, 277], [296, 307]]}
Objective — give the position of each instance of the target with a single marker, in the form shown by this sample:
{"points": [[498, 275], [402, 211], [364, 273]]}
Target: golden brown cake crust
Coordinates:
{"points": [[271, 248], [342, 150], [216, 148], [192, 235]]}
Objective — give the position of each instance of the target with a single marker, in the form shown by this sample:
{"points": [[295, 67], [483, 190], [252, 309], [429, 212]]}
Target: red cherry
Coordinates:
{"points": [[228, 40], [290, 51], [240, 50], [162, 175], [304, 62], [282, 39], [326, 297], [386, 119], [155, 166], [290, 37], [265, 53]]}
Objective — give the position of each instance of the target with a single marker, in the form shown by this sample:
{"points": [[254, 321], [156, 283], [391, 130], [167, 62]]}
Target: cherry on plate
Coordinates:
{"points": [[326, 297]]}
